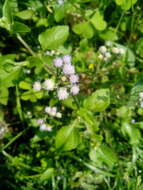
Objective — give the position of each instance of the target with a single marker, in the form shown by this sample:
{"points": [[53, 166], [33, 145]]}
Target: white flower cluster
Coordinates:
{"points": [[109, 49], [48, 84], [69, 73], [141, 99], [52, 53], [43, 125], [52, 111]]}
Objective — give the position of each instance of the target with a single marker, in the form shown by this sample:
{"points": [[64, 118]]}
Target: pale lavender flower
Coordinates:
{"points": [[40, 121], [62, 93], [68, 69], [49, 84], [74, 89], [74, 78], [53, 111], [37, 86], [58, 62], [45, 127], [67, 59]]}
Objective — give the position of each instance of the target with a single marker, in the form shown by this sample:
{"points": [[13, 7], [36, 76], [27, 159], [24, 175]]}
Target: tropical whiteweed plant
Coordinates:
{"points": [[66, 73]]}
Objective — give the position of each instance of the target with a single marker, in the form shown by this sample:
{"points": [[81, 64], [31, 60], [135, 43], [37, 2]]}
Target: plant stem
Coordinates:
{"points": [[25, 45], [117, 27], [76, 102], [14, 139]]}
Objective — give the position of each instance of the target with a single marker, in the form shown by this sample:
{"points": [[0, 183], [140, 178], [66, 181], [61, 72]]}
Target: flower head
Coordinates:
{"points": [[62, 93], [37, 86], [45, 127], [115, 50], [53, 111], [58, 115], [67, 59], [40, 121], [58, 62], [108, 55], [109, 43], [121, 51], [49, 84], [103, 49], [74, 89], [74, 78], [48, 109], [68, 69]]}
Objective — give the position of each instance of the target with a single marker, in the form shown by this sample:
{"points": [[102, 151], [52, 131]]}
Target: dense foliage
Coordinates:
{"points": [[71, 94]]}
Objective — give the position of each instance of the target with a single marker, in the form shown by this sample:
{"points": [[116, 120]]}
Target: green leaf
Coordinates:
{"points": [[131, 132], [7, 78], [8, 8], [7, 11], [69, 103], [4, 96], [61, 11], [67, 138], [137, 88], [25, 14], [125, 4], [109, 35], [120, 2], [18, 104], [90, 120], [25, 85], [98, 101], [85, 29], [47, 174], [19, 27], [139, 47], [98, 21], [103, 154], [54, 37]]}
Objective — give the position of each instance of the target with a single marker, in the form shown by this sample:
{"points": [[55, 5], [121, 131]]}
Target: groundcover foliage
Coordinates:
{"points": [[71, 94]]}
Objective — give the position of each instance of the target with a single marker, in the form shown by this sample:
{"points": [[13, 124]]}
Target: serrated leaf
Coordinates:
{"points": [[54, 37]]}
